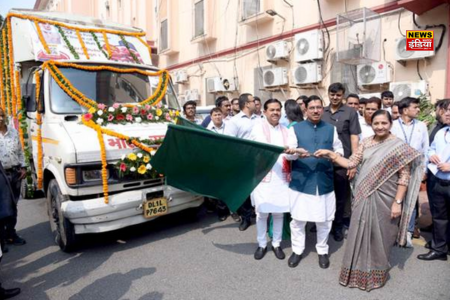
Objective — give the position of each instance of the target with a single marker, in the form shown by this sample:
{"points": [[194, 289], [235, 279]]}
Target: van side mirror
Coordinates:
{"points": [[30, 103]]}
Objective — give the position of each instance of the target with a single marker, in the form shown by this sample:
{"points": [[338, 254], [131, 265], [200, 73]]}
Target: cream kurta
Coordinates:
{"points": [[272, 193], [312, 208]]}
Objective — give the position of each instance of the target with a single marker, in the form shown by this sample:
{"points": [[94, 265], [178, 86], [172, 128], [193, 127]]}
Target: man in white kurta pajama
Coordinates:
{"points": [[311, 192], [271, 195]]}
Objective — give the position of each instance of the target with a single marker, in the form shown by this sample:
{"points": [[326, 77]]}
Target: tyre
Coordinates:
{"points": [[62, 229]]}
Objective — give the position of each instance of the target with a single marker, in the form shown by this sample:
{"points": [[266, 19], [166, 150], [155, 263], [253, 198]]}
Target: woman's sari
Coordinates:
{"points": [[372, 232]]}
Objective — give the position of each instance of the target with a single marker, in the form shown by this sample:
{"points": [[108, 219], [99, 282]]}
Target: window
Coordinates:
{"points": [[250, 8], [199, 19], [164, 35]]}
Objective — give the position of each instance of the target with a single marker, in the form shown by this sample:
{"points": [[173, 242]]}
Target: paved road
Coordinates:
{"points": [[177, 257]]}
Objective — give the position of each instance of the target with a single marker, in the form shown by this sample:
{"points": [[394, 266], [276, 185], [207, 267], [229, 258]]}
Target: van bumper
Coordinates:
{"points": [[123, 210]]}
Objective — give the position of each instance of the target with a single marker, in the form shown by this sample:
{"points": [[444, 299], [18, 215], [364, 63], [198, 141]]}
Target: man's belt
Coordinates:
{"points": [[443, 182]]}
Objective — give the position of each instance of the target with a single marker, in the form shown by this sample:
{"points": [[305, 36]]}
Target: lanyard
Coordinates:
{"points": [[404, 132]]}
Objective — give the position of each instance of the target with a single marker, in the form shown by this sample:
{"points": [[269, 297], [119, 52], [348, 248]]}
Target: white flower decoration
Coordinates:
{"points": [[152, 152], [133, 169], [148, 166], [123, 157], [156, 118], [111, 109], [124, 109], [138, 120], [99, 121], [100, 112], [139, 155]]}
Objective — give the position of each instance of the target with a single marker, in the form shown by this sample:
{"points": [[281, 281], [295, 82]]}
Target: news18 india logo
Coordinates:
{"points": [[419, 40]]}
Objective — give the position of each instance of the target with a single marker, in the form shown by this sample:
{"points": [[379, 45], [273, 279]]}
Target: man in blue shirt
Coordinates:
{"points": [[438, 157]]}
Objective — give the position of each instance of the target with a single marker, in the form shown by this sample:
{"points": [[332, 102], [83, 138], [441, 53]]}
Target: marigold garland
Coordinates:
{"points": [[104, 164], [20, 115], [125, 43], [12, 103], [146, 45], [6, 64], [41, 37], [83, 45], [45, 21], [2, 92], [94, 36], [67, 42], [108, 47], [39, 133]]}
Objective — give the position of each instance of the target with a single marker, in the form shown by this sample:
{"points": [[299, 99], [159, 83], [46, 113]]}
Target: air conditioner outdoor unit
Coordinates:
{"points": [[307, 73], [218, 84], [408, 89], [374, 73], [277, 51], [192, 95], [402, 54], [275, 77], [181, 76], [370, 95], [308, 45]]}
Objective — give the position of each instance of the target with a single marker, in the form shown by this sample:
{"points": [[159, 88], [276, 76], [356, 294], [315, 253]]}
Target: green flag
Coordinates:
{"points": [[218, 166]]}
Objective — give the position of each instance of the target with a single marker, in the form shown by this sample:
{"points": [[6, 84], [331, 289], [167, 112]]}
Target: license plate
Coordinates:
{"points": [[155, 207]]}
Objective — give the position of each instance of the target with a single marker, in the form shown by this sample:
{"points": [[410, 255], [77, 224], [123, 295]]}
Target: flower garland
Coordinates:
{"points": [[108, 47], [19, 117], [41, 37], [2, 82], [146, 45], [125, 43], [94, 36], [39, 133], [83, 45], [68, 44], [75, 94], [104, 163], [13, 103], [45, 21], [6, 66], [137, 164]]}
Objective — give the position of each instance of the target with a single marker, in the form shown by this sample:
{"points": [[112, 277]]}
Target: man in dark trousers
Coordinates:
{"points": [[345, 119], [7, 207]]}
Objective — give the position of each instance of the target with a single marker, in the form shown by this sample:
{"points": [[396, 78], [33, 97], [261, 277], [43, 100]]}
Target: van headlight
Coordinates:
{"points": [[92, 175]]}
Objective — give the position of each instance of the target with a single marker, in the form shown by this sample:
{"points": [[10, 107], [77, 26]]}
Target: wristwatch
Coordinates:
{"points": [[398, 201]]}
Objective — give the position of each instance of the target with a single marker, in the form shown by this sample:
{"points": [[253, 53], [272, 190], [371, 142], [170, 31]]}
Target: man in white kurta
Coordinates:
{"points": [[311, 192], [271, 195]]}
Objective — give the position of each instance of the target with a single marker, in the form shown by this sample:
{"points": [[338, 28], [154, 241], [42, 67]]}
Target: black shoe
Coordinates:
{"points": [[324, 261], [338, 236], [428, 245], [279, 252], [222, 216], [16, 240], [245, 223], [294, 260], [236, 217], [433, 255], [9, 293], [260, 252], [5, 248]]}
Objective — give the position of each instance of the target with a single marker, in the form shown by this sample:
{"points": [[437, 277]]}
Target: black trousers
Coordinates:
{"points": [[246, 209], [11, 221], [441, 216], [342, 192]]}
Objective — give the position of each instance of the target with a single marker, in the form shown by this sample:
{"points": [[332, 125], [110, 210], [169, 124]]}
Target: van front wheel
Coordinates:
{"points": [[62, 229]]}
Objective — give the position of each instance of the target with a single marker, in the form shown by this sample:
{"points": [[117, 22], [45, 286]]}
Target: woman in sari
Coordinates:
{"points": [[387, 188]]}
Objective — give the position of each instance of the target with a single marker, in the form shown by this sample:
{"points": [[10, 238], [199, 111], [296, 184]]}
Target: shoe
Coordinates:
{"points": [[428, 245], [433, 255], [222, 216], [260, 252], [409, 243], [338, 235], [278, 253], [294, 260], [416, 233], [9, 293], [324, 261], [236, 217], [245, 223], [16, 240]]}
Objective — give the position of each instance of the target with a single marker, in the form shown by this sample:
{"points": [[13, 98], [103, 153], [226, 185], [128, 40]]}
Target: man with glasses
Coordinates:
{"points": [[438, 157], [224, 104], [345, 119], [241, 126], [190, 110], [235, 106], [311, 190]]}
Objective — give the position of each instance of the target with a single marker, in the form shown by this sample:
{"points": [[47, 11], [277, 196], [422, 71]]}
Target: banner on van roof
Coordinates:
{"points": [[60, 50]]}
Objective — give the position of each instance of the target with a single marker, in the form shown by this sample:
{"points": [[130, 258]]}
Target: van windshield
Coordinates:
{"points": [[106, 87]]}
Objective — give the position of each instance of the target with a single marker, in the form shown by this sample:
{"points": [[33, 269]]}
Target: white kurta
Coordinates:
{"points": [[272, 193], [366, 129], [312, 208]]}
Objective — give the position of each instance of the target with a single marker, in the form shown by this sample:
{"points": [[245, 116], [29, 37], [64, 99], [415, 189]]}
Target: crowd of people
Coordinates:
{"points": [[353, 168]]}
